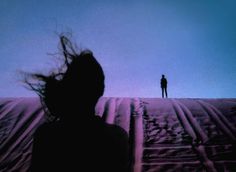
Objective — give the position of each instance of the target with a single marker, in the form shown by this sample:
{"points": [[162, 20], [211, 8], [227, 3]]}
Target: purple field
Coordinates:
{"points": [[165, 134]]}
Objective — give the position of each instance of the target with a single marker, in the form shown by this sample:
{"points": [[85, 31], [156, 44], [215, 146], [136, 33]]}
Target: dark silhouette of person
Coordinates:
{"points": [[164, 86], [76, 139]]}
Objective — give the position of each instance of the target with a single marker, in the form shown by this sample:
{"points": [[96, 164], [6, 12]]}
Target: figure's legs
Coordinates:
{"points": [[162, 91], [166, 92]]}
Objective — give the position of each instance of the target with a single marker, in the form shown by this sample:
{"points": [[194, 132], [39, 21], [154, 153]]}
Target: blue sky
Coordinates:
{"points": [[191, 42]]}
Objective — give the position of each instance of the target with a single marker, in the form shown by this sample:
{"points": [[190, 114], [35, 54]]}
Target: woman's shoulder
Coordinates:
{"points": [[47, 130], [111, 128], [47, 126], [117, 132]]}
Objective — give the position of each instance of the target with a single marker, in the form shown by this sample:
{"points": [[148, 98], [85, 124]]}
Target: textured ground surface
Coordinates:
{"points": [[165, 134]]}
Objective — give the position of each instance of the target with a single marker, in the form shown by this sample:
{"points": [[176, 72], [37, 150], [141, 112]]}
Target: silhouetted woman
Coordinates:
{"points": [[76, 139]]}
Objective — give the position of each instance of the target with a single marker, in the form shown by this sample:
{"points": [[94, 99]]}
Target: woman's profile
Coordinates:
{"points": [[75, 139]]}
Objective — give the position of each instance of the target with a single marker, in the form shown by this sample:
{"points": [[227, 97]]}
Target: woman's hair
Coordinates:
{"points": [[80, 79]]}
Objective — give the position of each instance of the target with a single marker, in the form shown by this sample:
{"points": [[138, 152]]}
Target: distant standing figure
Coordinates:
{"points": [[164, 86]]}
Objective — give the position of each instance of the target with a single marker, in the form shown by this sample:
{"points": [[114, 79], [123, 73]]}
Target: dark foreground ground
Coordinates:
{"points": [[165, 134]]}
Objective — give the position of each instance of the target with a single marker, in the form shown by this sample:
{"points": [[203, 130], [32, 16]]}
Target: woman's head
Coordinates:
{"points": [[79, 86]]}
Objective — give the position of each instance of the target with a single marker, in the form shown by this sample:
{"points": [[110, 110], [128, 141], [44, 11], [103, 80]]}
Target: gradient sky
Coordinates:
{"points": [[192, 42]]}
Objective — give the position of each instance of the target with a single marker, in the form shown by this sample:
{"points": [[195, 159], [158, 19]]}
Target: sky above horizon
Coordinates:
{"points": [[191, 42]]}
